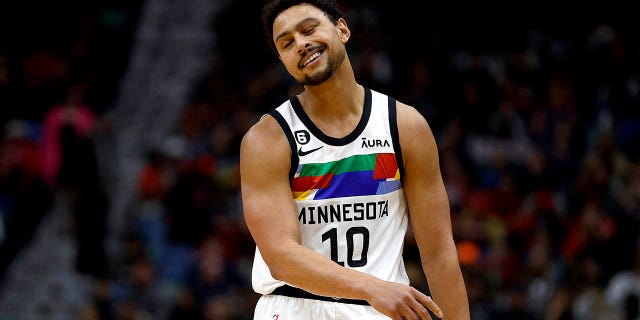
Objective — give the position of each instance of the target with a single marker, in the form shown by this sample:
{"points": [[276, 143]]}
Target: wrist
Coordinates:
{"points": [[364, 287]]}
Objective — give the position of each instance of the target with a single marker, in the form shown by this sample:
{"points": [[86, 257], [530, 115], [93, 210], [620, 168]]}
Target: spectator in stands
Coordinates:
{"points": [[24, 198], [76, 118]]}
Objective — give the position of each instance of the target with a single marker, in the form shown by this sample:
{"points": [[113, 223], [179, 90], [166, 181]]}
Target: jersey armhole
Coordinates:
{"points": [[292, 142], [395, 137]]}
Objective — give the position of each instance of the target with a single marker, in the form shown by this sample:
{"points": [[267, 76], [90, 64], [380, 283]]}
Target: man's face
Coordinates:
{"points": [[310, 46]]}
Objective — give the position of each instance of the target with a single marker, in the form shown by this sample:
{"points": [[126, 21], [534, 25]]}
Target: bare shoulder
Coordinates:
{"points": [[412, 124], [419, 149], [266, 133], [264, 139]]}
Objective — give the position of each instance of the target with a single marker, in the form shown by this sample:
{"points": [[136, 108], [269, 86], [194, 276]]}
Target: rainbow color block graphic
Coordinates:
{"points": [[359, 175]]}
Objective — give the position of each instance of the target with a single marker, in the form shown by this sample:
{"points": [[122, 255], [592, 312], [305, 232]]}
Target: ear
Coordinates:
{"points": [[343, 30]]}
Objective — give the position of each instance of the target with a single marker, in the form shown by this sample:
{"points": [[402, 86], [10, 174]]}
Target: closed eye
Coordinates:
{"points": [[308, 31], [305, 27]]}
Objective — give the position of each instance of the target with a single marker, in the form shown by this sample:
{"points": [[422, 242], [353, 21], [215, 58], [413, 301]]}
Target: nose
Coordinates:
{"points": [[302, 43]]}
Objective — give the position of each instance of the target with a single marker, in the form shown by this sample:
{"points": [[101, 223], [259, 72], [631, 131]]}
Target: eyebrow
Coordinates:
{"points": [[284, 33]]}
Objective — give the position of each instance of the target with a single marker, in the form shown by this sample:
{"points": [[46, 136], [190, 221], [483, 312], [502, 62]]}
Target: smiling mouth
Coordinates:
{"points": [[311, 58], [316, 52]]}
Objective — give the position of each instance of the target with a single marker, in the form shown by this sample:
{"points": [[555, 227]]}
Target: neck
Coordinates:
{"points": [[337, 97]]}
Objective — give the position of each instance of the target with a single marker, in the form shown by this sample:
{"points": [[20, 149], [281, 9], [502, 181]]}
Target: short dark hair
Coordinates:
{"points": [[272, 8]]}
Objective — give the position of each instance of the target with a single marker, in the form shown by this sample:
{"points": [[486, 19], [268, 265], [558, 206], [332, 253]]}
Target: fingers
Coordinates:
{"points": [[413, 313], [409, 313], [429, 303], [414, 308], [405, 303]]}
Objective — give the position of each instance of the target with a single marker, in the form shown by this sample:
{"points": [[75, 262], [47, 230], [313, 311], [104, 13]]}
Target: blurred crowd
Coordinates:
{"points": [[537, 125]]}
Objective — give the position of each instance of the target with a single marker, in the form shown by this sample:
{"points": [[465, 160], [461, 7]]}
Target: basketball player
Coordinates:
{"points": [[330, 179]]}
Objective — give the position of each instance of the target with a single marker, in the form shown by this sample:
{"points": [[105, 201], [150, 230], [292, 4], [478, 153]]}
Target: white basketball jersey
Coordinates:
{"points": [[348, 191]]}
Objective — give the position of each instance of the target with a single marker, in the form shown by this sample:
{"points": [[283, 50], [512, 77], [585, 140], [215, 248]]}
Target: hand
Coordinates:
{"points": [[399, 301]]}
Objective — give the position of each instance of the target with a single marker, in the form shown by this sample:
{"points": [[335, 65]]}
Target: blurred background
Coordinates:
{"points": [[121, 122]]}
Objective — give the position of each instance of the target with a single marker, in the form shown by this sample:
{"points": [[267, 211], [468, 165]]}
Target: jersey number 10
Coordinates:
{"points": [[332, 236]]}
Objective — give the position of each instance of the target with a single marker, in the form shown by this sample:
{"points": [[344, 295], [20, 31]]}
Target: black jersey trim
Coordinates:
{"points": [[294, 292], [395, 137], [292, 142], [366, 112]]}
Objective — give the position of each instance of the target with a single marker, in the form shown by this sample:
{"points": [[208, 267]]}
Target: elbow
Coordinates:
{"points": [[282, 256], [277, 263], [280, 271], [277, 272], [445, 250]]}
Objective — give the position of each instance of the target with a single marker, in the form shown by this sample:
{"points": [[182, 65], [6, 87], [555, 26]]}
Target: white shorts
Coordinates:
{"points": [[277, 307]]}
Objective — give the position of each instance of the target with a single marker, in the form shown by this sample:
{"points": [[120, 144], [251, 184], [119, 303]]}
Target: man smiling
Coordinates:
{"points": [[330, 179]]}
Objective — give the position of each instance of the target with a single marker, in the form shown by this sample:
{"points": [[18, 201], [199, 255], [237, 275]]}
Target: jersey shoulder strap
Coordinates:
{"points": [[292, 142], [395, 136]]}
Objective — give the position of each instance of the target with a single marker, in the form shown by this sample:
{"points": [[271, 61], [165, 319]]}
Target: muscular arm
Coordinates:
{"points": [[429, 211], [271, 217]]}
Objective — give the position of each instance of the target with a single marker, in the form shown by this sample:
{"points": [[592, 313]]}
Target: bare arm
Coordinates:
{"points": [[271, 217], [430, 214]]}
